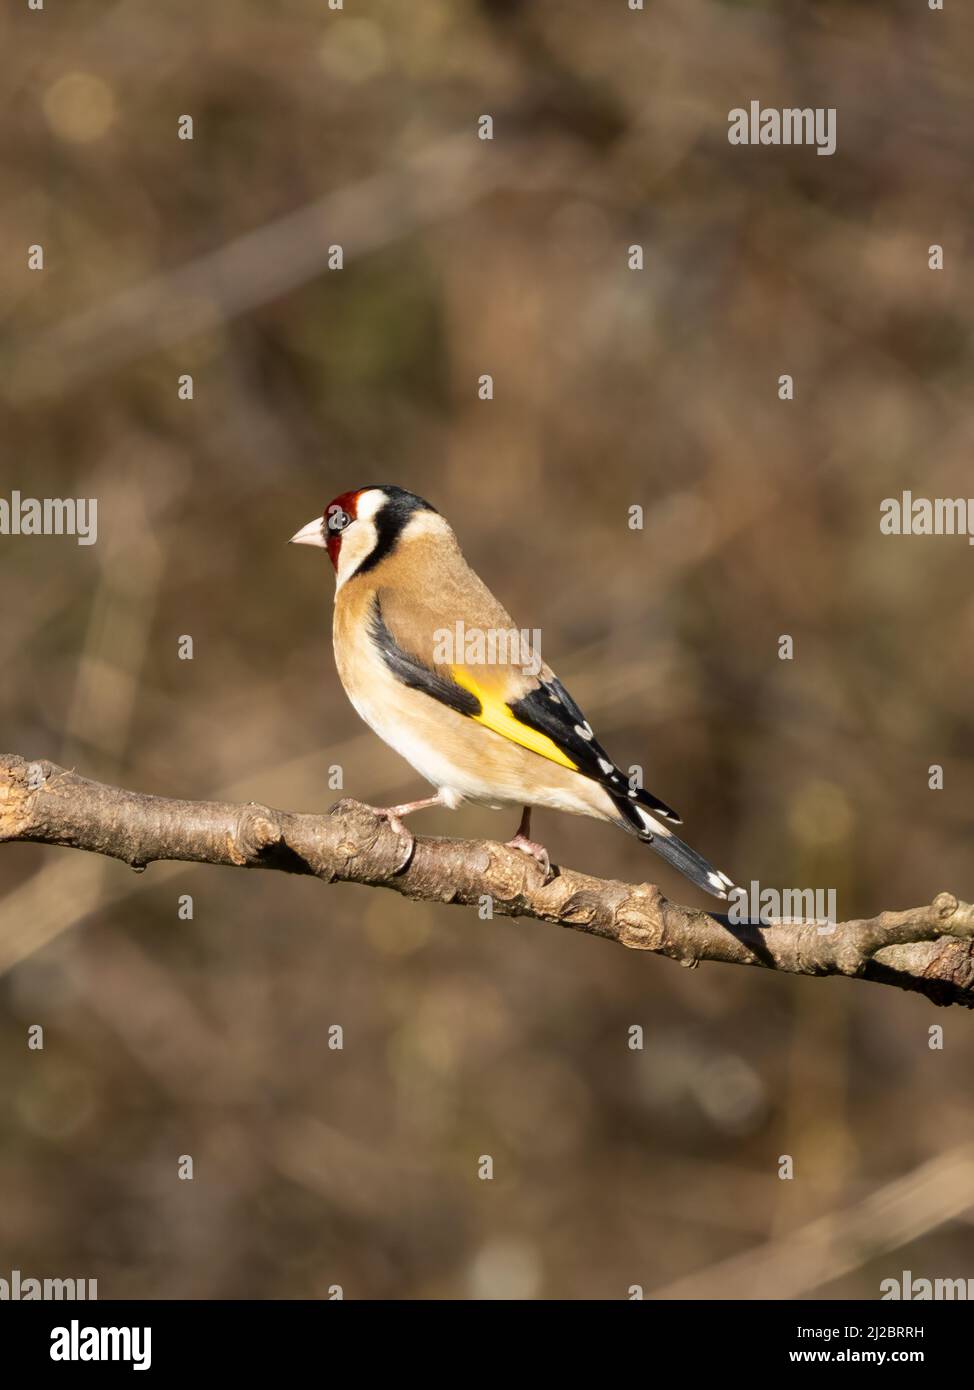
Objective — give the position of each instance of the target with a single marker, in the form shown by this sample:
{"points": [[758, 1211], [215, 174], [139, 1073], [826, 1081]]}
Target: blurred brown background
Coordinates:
{"points": [[612, 388]]}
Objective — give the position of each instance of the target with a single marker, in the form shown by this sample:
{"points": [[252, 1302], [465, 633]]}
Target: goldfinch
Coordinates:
{"points": [[434, 664]]}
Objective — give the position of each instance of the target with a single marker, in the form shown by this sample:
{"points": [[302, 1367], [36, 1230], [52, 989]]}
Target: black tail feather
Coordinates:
{"points": [[636, 818]]}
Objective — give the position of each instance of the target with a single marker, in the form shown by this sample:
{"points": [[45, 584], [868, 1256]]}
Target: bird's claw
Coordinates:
{"points": [[531, 847], [395, 824], [391, 818]]}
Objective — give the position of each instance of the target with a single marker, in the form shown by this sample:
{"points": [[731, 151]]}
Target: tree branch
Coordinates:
{"points": [[927, 949]]}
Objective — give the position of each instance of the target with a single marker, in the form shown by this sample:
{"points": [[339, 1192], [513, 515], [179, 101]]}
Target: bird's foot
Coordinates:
{"points": [[392, 815], [531, 847]]}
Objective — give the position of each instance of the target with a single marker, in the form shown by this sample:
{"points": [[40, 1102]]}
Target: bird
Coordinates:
{"points": [[434, 664]]}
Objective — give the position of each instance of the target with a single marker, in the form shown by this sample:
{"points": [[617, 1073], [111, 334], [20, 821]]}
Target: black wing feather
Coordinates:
{"points": [[552, 711], [413, 673]]}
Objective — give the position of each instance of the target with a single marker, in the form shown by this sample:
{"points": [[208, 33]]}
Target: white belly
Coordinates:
{"points": [[454, 784]]}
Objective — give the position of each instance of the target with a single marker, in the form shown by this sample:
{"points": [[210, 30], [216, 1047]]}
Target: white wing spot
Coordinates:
{"points": [[584, 732], [606, 767], [652, 824]]}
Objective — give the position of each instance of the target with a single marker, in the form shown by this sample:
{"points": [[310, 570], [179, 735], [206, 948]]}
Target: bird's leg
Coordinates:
{"points": [[522, 841], [393, 814]]}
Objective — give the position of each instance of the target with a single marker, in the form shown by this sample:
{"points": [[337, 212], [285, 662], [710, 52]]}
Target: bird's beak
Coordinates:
{"points": [[310, 534]]}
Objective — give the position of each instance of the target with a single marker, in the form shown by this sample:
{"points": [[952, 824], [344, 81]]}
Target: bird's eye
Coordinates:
{"points": [[337, 519]]}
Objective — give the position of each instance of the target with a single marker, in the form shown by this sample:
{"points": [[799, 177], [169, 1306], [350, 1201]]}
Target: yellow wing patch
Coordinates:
{"points": [[496, 715]]}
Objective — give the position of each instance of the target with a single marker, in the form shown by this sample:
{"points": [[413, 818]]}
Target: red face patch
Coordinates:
{"points": [[339, 514]]}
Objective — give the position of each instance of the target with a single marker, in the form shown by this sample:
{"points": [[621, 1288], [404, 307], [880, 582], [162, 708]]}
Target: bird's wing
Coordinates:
{"points": [[535, 711], [550, 710]]}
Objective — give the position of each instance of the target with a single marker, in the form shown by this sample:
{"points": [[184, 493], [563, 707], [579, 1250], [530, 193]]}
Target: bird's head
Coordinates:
{"points": [[358, 529]]}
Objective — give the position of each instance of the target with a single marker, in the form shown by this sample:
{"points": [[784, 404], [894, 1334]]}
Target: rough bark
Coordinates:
{"points": [[927, 949]]}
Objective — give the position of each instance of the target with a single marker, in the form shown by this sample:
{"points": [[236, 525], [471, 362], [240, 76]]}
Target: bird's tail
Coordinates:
{"points": [[635, 814]]}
